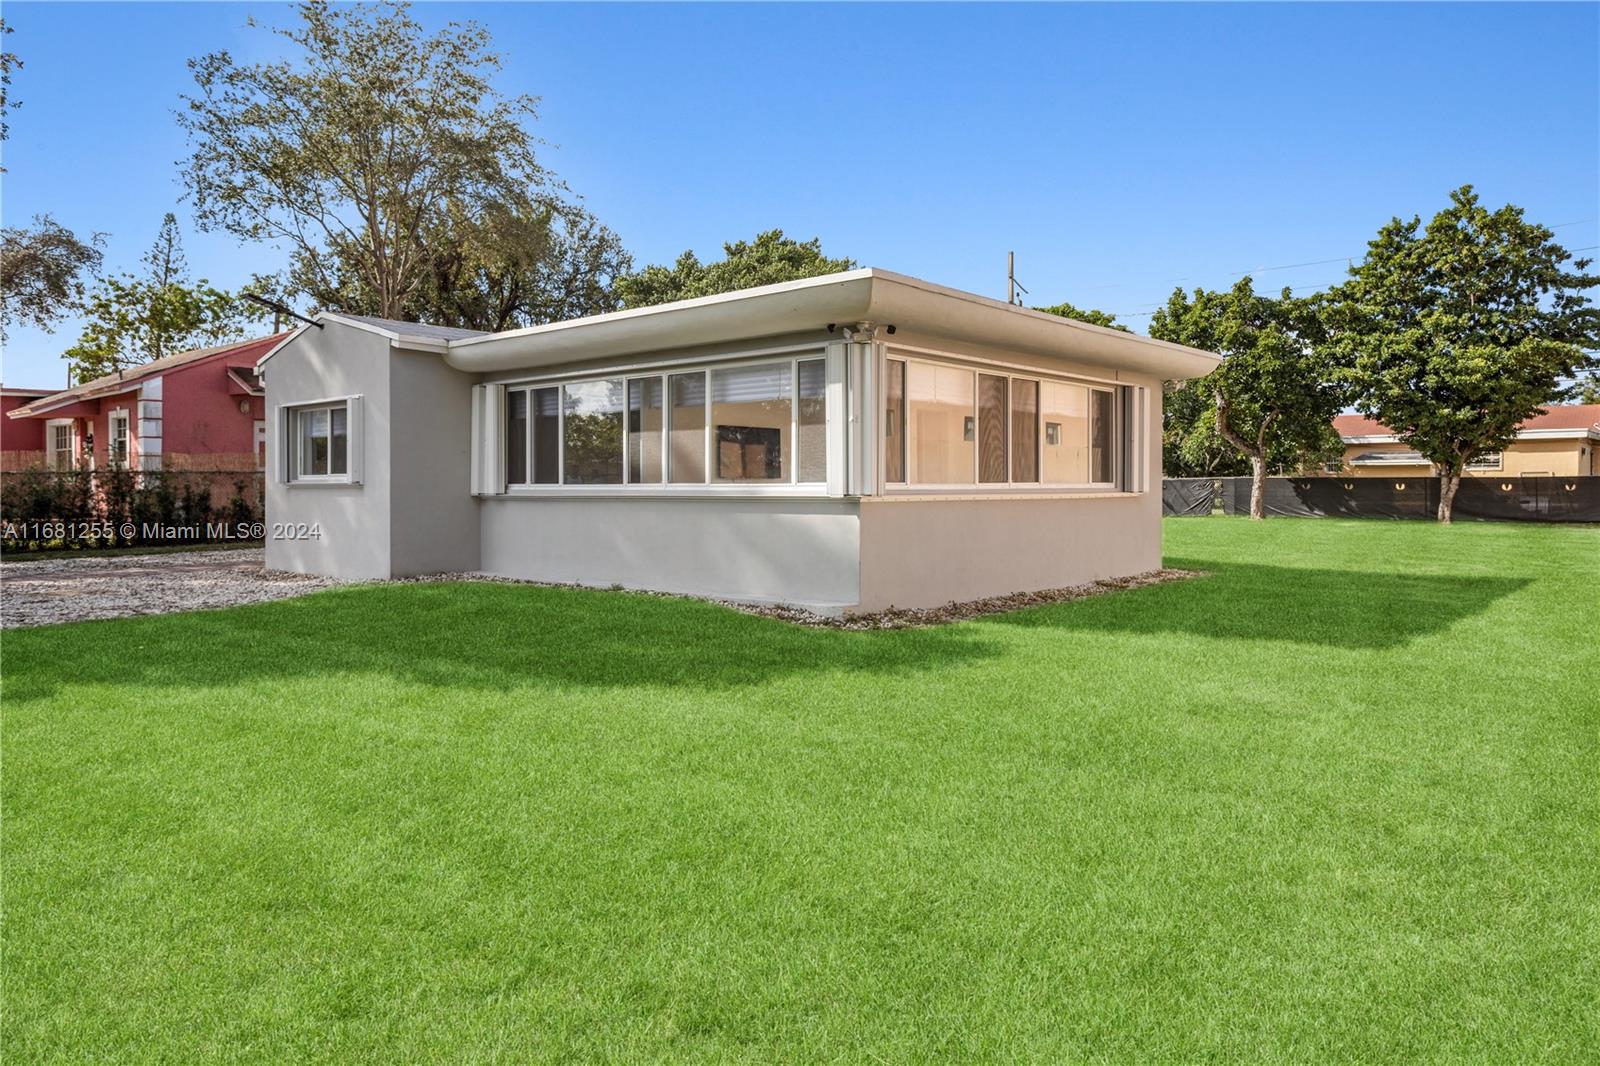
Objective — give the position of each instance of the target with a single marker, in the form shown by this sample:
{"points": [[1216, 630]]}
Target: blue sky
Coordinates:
{"points": [[1118, 149]]}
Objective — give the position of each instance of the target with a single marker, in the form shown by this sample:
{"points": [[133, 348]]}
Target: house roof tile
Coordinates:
{"points": [[244, 351]]}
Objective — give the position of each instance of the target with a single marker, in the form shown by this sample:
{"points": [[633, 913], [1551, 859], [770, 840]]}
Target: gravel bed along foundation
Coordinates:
{"points": [[48, 591], [81, 589]]}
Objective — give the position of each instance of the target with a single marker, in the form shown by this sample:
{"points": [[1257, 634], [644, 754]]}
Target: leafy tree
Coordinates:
{"points": [[358, 149], [42, 270], [497, 269], [767, 260], [133, 319], [9, 62], [1190, 446], [1456, 333], [1089, 315], [1274, 395], [1588, 389]]}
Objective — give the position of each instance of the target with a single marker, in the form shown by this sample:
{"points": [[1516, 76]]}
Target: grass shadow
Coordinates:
{"points": [[1254, 602], [472, 634]]}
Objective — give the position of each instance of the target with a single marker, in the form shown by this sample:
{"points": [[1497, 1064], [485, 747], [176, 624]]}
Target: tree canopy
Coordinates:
{"points": [[359, 148], [1455, 333], [1274, 395], [1082, 314], [769, 259], [134, 319], [42, 269]]}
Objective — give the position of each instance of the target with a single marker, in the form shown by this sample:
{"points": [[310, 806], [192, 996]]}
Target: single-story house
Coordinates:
{"points": [[844, 443], [197, 410], [21, 443], [1559, 441]]}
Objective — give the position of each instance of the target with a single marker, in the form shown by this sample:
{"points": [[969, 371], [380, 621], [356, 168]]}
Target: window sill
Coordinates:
{"points": [[658, 492], [984, 497], [322, 483]]}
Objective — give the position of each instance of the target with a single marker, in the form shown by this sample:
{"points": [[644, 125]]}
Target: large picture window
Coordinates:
{"points": [[751, 418], [942, 424], [967, 426], [591, 434], [746, 423]]}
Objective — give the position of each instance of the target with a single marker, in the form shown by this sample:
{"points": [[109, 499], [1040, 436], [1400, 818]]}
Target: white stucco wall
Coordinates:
{"points": [[433, 516], [352, 520], [776, 550]]}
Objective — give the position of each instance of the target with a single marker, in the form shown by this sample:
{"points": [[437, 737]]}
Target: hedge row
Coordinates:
{"points": [[49, 509]]}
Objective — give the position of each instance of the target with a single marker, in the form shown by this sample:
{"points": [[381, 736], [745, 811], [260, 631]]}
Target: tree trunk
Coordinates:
{"points": [[1448, 480], [1258, 487]]}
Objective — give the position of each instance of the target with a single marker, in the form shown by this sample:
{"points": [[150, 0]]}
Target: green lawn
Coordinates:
{"points": [[1337, 801]]}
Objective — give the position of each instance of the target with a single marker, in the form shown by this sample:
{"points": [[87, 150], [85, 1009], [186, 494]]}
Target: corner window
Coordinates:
{"points": [[968, 427], [321, 442], [745, 423]]}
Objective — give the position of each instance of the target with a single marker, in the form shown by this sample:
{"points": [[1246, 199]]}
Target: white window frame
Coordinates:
{"points": [[51, 452], [119, 414], [292, 447], [1012, 374], [664, 370], [1487, 461]]}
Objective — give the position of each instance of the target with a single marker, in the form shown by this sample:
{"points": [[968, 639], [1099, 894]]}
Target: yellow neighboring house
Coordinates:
{"points": [[1558, 441]]}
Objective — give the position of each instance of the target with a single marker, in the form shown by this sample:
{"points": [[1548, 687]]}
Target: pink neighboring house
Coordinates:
{"points": [[21, 442], [198, 410]]}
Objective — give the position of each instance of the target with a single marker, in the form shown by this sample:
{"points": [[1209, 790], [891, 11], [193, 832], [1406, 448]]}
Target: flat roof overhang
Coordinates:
{"points": [[868, 295]]}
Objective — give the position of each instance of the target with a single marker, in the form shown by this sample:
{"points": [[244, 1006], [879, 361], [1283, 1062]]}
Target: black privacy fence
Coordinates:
{"points": [[1530, 499], [77, 509]]}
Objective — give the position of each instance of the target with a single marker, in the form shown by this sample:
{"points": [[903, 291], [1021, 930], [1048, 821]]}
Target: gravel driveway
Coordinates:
{"points": [[75, 590]]}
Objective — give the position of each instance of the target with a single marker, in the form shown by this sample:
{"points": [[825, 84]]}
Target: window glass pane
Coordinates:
{"points": [[991, 428], [119, 438], [688, 433], [314, 439], [339, 445], [1103, 424], [546, 435], [941, 424], [644, 431], [1024, 430], [750, 413], [894, 422], [592, 437], [516, 438], [1065, 413], [811, 447]]}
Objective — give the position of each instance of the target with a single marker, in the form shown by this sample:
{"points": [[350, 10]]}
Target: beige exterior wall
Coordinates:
{"points": [[1560, 458], [929, 552]]}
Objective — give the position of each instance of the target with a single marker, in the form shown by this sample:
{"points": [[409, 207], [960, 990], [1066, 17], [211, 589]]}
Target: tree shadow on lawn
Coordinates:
{"points": [[1250, 602], [469, 634]]}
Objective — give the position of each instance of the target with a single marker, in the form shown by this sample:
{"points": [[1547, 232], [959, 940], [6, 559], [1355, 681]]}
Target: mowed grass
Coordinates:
{"points": [[1338, 801]]}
